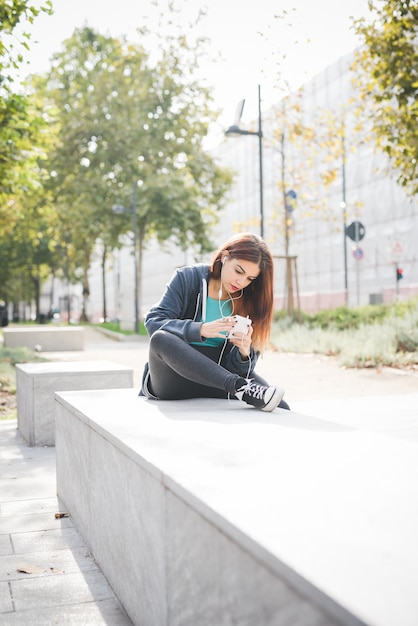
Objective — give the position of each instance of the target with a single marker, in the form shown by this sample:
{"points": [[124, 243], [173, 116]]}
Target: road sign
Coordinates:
{"points": [[356, 231], [291, 200], [397, 251], [358, 253]]}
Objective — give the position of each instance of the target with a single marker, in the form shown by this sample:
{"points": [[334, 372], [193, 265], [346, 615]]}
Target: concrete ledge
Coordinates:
{"points": [[45, 338], [206, 512], [37, 382]]}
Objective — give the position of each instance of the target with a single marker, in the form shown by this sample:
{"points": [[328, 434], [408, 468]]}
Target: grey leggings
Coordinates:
{"points": [[179, 370]]}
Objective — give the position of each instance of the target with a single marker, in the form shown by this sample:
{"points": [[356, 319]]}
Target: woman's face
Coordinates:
{"points": [[237, 274]]}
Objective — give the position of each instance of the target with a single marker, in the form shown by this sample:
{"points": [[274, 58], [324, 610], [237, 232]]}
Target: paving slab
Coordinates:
{"points": [[85, 614], [47, 574], [46, 563], [60, 590], [12, 524]]}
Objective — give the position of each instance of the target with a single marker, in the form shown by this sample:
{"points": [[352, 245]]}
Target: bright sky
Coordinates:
{"points": [[319, 34]]}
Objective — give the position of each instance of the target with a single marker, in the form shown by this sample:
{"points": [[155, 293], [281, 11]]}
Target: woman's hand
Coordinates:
{"points": [[217, 328], [221, 328], [243, 342]]}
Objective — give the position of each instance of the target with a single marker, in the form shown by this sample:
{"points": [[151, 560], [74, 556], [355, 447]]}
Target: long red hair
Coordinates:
{"points": [[257, 297]]}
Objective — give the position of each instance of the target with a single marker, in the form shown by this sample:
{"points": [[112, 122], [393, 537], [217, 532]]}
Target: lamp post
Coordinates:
{"points": [[118, 208], [235, 131]]}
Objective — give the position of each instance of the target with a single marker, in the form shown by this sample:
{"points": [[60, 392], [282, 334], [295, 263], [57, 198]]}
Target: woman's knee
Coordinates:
{"points": [[158, 336], [159, 339]]}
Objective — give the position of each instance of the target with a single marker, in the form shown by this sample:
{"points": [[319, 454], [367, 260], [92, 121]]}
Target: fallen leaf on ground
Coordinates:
{"points": [[29, 568]]}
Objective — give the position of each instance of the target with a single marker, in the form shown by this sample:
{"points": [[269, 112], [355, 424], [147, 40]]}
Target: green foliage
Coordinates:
{"points": [[108, 113], [22, 147], [123, 118], [18, 125], [387, 75], [369, 336], [27, 236], [12, 356], [393, 343], [8, 359], [14, 13], [115, 328], [345, 318]]}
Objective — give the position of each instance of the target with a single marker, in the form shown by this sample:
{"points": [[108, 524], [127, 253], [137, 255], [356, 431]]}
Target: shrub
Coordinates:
{"points": [[370, 336]]}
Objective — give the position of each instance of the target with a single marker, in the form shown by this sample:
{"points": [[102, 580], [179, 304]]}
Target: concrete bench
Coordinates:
{"points": [[37, 382], [45, 338], [207, 512]]}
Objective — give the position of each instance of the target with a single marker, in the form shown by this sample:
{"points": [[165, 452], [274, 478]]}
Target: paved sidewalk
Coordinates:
{"points": [[47, 575]]}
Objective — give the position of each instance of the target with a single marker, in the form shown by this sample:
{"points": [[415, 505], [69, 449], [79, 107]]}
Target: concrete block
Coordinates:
{"points": [[137, 507], [45, 338], [246, 592], [209, 512], [36, 384]]}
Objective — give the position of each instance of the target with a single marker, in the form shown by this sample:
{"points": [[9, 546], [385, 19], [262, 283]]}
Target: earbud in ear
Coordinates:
{"points": [[223, 260]]}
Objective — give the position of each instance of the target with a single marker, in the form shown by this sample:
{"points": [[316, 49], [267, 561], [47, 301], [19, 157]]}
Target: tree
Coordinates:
{"points": [[122, 119], [310, 161], [387, 75], [21, 148], [27, 249], [26, 216], [17, 127]]}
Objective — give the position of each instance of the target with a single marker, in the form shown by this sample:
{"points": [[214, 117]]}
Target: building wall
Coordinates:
{"points": [[389, 216]]}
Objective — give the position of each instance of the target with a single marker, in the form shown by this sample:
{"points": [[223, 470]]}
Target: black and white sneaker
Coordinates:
{"points": [[259, 396]]}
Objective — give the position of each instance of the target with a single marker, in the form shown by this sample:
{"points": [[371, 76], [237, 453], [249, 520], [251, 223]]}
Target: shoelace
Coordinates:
{"points": [[253, 389]]}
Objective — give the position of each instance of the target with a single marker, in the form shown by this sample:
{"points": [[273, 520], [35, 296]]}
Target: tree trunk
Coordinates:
{"points": [[52, 293], [36, 283], [104, 257], [141, 238], [86, 289]]}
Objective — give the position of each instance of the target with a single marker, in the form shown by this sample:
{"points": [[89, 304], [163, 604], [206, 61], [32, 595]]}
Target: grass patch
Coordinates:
{"points": [[364, 337], [115, 327], [7, 377], [8, 359]]}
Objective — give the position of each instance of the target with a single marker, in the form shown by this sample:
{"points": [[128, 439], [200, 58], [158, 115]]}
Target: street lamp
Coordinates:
{"points": [[118, 208], [235, 131]]}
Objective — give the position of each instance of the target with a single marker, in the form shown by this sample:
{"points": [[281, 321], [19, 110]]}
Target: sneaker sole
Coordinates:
{"points": [[274, 400]]}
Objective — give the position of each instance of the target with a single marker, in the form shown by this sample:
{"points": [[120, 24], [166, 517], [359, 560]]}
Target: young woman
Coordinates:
{"points": [[194, 352]]}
